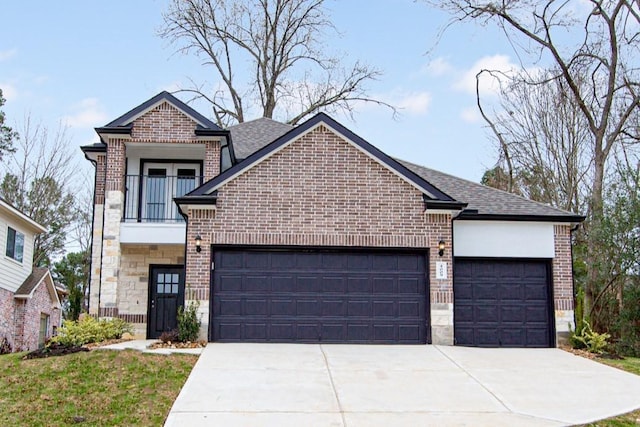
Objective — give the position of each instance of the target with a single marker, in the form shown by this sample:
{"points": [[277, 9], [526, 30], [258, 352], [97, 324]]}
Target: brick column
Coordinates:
{"points": [[441, 290], [212, 160], [198, 264], [113, 209], [563, 282]]}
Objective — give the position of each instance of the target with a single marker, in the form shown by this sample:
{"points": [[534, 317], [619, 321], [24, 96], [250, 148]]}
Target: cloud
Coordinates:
{"points": [[6, 54], [438, 67], [9, 91], [470, 115], [87, 113], [414, 103], [489, 85]]}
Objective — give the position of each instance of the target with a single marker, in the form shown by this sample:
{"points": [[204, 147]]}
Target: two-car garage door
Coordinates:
{"points": [[313, 295]]}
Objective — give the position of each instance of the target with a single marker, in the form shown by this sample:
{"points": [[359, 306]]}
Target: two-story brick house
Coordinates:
{"points": [[310, 233]]}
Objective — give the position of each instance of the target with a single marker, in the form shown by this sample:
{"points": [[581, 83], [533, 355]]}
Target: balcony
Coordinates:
{"points": [[149, 198], [150, 216]]}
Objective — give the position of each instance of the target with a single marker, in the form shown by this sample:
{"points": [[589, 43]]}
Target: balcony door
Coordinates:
{"points": [[161, 183]]}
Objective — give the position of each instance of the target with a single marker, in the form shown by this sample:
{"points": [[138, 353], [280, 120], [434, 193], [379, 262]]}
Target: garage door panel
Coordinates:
{"points": [[502, 303], [335, 284], [256, 306], [228, 283], [384, 309], [284, 284], [331, 307], [510, 291], [309, 307], [319, 296], [256, 283], [384, 285]]}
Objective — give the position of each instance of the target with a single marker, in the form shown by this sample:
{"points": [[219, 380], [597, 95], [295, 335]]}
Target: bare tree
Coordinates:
{"points": [[278, 43], [600, 41], [544, 145], [38, 181]]}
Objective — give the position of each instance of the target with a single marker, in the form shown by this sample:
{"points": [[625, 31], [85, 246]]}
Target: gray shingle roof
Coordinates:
{"points": [[487, 200], [32, 281], [249, 137]]}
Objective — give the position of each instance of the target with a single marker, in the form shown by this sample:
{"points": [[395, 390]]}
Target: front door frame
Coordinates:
{"points": [[151, 300]]}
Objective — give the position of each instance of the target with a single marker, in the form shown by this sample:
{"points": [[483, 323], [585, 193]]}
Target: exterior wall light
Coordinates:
{"points": [[198, 243], [441, 247]]}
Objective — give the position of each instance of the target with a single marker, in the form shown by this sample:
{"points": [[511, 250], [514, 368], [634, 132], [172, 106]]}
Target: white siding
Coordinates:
{"points": [[497, 239], [12, 272]]}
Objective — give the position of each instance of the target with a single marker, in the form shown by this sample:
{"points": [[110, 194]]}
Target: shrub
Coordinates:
{"points": [[88, 330], [169, 336], [188, 322], [588, 339]]}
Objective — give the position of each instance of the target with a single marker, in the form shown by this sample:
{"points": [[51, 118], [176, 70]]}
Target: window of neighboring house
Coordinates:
{"points": [[15, 244], [44, 329]]}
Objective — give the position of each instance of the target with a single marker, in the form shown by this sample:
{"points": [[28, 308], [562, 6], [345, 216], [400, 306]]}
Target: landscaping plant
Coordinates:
{"points": [[89, 330], [588, 339], [188, 322]]}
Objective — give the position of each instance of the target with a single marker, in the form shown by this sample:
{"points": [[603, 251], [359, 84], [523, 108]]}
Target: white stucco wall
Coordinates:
{"points": [[509, 239]]}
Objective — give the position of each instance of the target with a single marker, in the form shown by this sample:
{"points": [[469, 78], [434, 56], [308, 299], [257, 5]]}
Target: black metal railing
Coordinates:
{"points": [[149, 198]]}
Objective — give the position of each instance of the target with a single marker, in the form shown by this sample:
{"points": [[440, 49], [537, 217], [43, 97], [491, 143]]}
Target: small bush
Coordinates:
{"points": [[188, 322], [88, 330], [169, 336], [590, 340], [5, 347]]}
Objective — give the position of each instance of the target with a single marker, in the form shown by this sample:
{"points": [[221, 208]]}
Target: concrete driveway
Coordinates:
{"points": [[361, 385]]}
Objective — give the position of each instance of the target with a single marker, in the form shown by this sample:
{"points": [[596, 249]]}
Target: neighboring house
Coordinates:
{"points": [[311, 234], [30, 310]]}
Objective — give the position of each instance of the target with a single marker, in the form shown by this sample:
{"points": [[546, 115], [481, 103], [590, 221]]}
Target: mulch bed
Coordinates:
{"points": [[588, 355], [54, 350], [174, 345]]}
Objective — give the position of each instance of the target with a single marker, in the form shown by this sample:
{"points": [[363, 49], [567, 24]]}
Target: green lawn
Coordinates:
{"points": [[630, 364], [101, 387]]}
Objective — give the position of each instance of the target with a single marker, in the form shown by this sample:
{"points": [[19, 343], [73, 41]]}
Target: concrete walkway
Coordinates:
{"points": [[358, 385]]}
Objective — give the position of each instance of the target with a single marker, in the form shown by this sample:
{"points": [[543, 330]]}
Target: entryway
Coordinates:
{"points": [[166, 294]]}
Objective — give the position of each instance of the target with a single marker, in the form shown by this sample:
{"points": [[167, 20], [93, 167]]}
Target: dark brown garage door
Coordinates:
{"points": [[502, 303], [318, 296]]}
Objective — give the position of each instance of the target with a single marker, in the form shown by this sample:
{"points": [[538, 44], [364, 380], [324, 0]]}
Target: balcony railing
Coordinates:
{"points": [[149, 198]]}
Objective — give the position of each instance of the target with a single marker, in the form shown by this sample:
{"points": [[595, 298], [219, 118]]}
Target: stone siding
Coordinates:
{"points": [[133, 286]]}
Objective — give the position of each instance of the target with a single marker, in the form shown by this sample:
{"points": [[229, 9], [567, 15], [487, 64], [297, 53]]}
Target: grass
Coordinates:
{"points": [[629, 364], [101, 387]]}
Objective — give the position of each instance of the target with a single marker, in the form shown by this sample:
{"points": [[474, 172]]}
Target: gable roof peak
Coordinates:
{"points": [[127, 119]]}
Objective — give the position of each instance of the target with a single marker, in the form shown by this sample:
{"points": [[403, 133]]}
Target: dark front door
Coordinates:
{"points": [[502, 303], [166, 293], [313, 295]]}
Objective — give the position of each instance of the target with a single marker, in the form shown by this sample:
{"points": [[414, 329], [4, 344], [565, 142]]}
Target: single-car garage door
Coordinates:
{"points": [[502, 303], [333, 296]]}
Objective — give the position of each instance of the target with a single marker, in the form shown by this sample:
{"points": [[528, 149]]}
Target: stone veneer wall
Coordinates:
{"points": [[133, 286], [563, 282], [320, 191], [7, 316]]}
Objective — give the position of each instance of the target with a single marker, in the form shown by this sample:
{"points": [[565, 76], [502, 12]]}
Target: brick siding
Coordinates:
{"points": [[28, 313], [318, 191], [562, 268], [7, 313]]}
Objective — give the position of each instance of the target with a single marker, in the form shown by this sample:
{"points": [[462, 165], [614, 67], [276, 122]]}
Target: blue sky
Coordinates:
{"points": [[85, 63]]}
